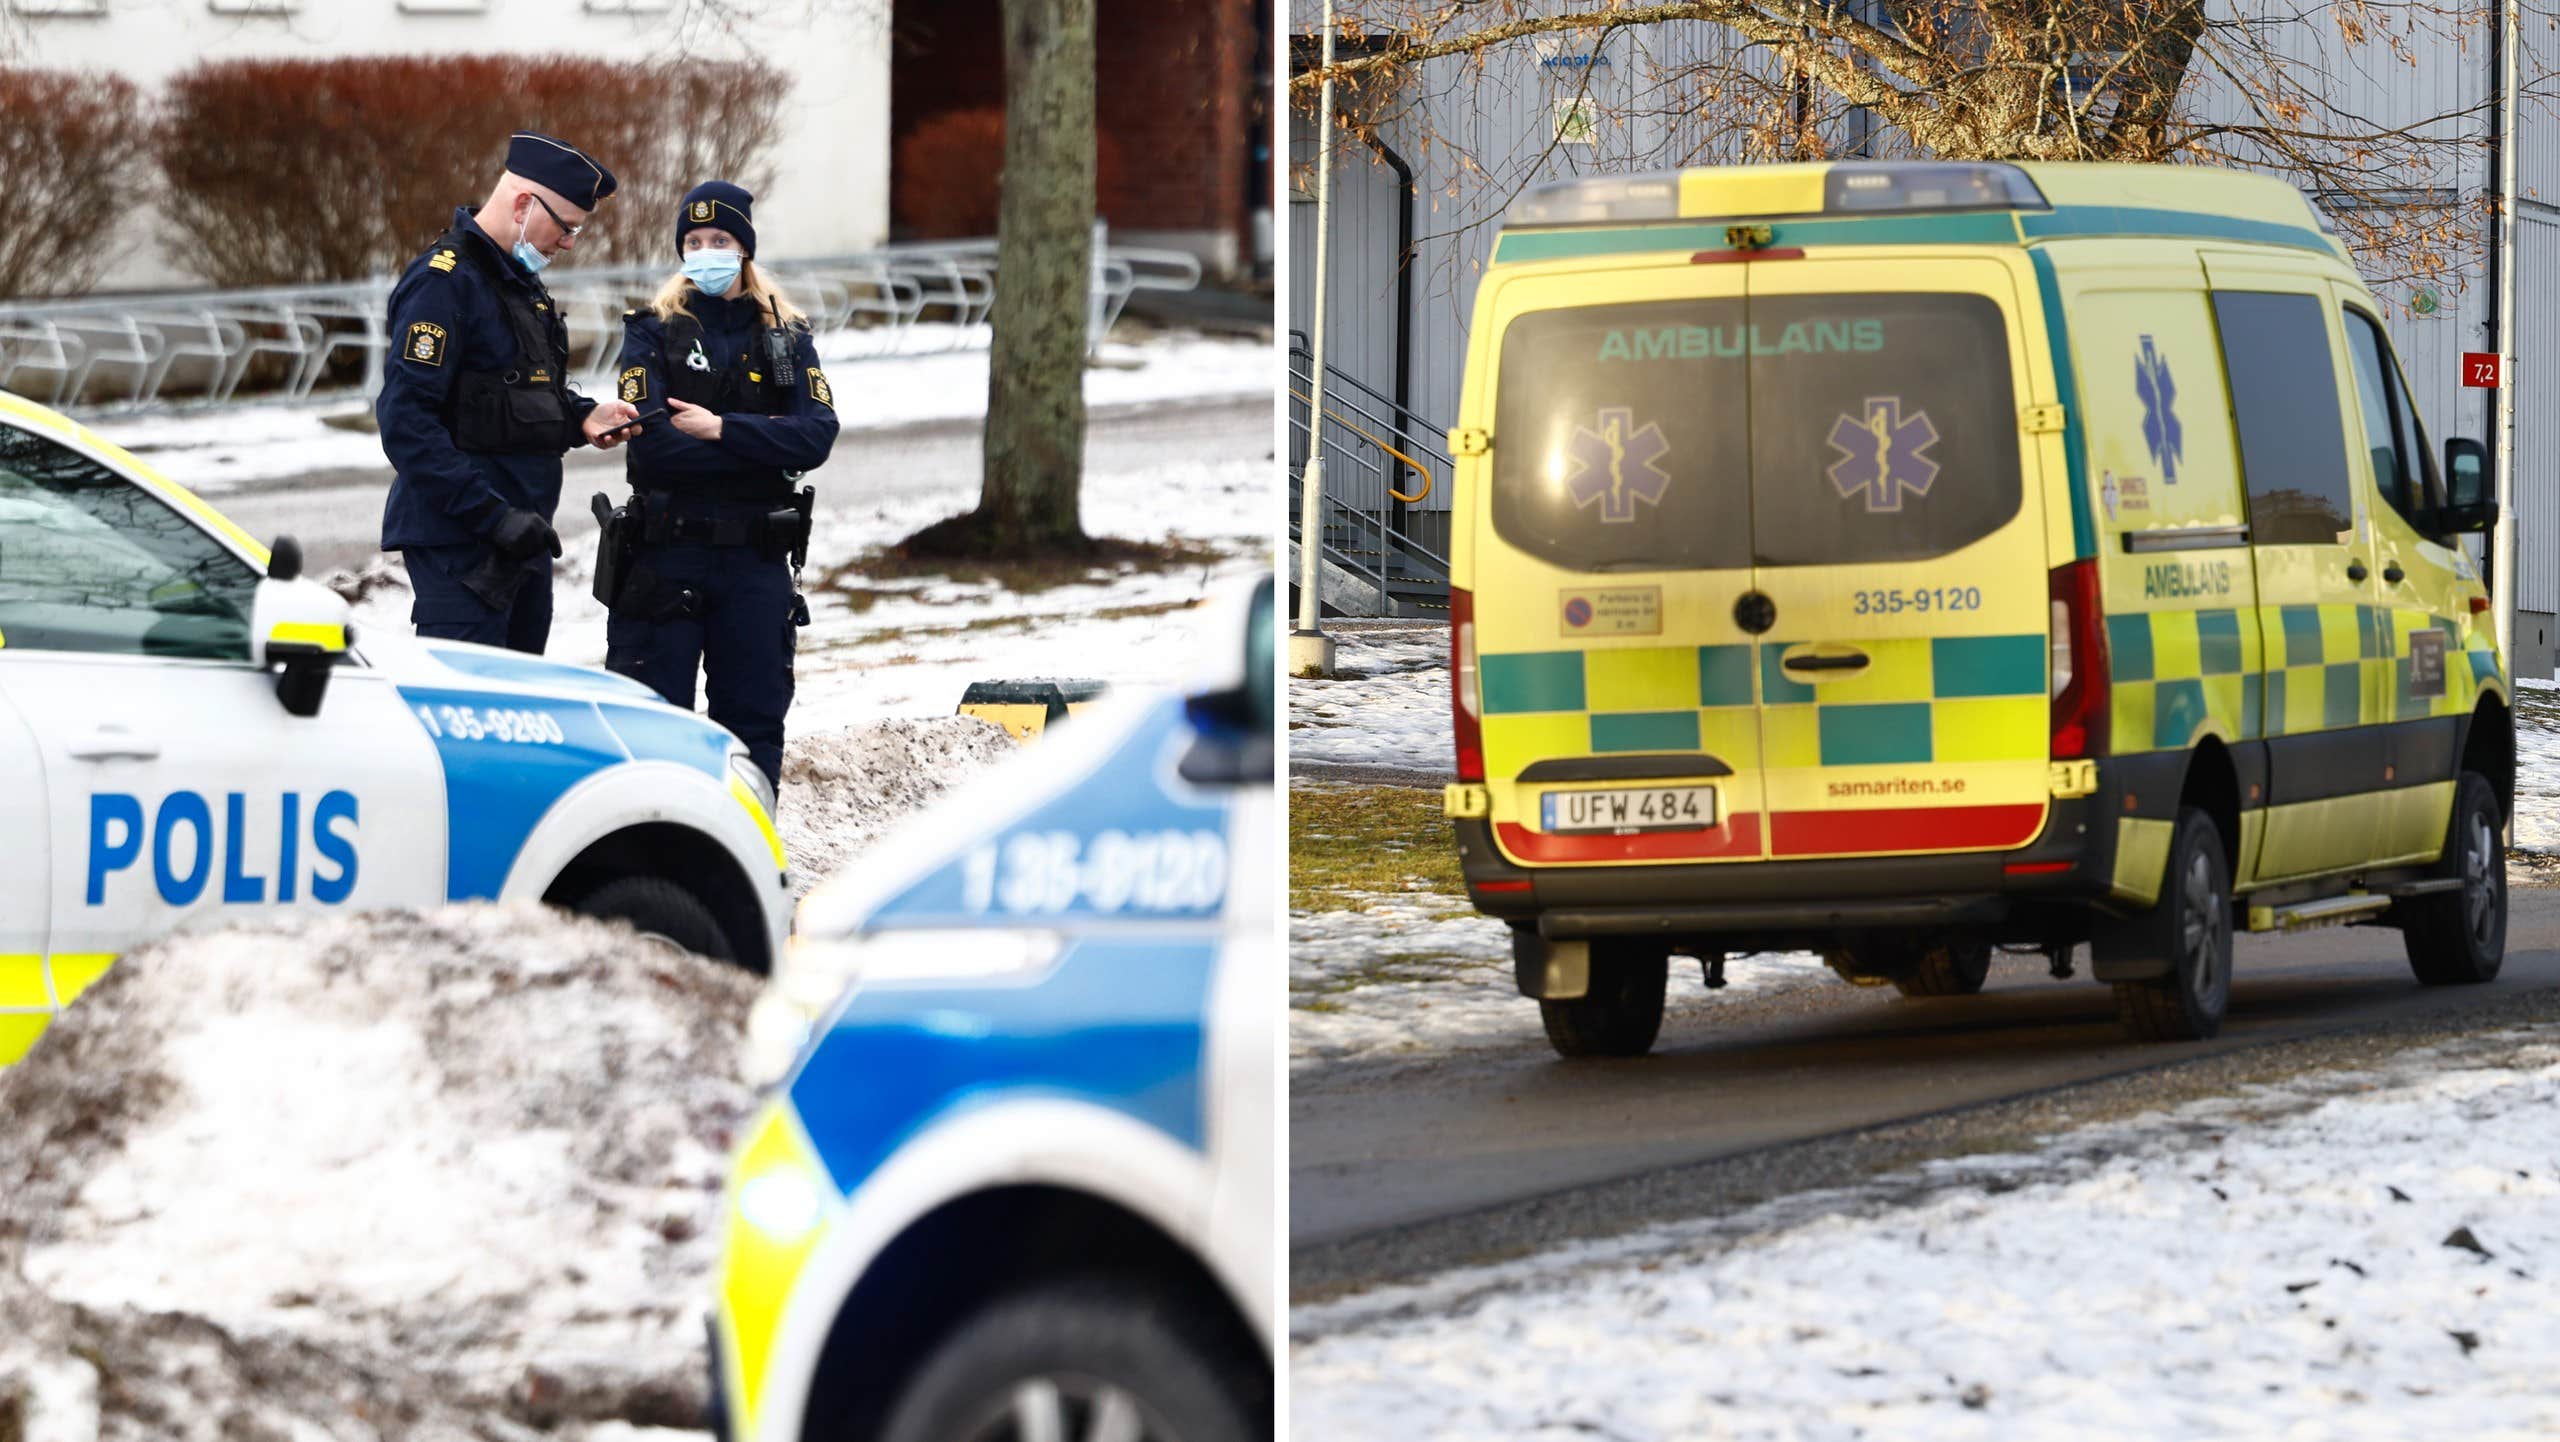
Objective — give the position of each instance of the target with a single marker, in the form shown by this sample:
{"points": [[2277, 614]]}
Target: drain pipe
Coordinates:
{"points": [[1310, 649], [1404, 301], [2503, 542]]}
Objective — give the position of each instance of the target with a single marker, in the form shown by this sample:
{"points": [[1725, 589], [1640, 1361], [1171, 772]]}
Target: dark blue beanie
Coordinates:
{"points": [[718, 205]]}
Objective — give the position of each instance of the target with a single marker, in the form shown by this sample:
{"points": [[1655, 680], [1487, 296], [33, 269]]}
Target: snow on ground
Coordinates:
{"points": [[1388, 704], [2537, 826], [211, 450], [842, 789], [2359, 1256], [1422, 973], [467, 1163]]}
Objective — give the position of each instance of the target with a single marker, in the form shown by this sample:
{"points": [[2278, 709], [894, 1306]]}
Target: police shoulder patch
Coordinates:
{"points": [[635, 384], [442, 260], [819, 390], [425, 343]]}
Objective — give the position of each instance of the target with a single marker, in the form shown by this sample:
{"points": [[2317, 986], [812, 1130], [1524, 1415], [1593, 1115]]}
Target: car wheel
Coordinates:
{"points": [[2190, 927], [2459, 938], [1947, 966], [661, 911], [1622, 1012], [1081, 1360]]}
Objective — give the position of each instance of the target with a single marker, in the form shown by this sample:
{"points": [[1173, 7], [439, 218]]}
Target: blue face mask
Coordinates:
{"points": [[531, 259], [713, 271]]}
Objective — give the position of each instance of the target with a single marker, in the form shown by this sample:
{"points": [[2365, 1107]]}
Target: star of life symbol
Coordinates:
{"points": [[697, 361], [2159, 394], [1880, 454], [1617, 465]]}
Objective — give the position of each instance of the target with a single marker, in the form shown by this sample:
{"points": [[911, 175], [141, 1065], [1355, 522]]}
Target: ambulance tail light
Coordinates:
{"points": [[1464, 711], [2079, 654]]}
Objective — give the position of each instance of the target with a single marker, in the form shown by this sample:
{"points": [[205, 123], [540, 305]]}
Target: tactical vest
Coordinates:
{"points": [[522, 408], [731, 380]]}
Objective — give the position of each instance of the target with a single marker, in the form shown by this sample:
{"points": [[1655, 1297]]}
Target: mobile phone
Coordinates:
{"points": [[636, 422]]}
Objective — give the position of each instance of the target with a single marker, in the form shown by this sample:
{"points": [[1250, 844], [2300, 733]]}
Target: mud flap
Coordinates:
{"points": [[1549, 970]]}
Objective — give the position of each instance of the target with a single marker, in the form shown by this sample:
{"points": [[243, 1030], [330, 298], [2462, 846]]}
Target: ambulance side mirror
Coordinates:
{"points": [[300, 629], [2468, 504]]}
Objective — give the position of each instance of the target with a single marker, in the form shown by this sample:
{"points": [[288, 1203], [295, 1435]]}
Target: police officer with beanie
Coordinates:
{"points": [[717, 524], [476, 410]]}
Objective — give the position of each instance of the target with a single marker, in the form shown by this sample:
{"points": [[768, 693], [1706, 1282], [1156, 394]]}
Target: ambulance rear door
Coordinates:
{"points": [[1899, 603]]}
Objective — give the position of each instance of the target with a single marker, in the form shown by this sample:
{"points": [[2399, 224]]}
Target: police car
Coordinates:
{"points": [[1017, 1180], [1904, 559], [190, 732]]}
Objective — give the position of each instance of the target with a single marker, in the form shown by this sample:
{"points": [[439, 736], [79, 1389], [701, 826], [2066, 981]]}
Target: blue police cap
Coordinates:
{"points": [[718, 205], [561, 166]]}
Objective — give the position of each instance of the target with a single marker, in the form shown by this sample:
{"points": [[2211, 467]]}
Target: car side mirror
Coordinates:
{"points": [[1236, 720], [299, 628], [2468, 505]]}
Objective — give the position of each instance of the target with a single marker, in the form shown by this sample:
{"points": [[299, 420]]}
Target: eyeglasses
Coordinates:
{"points": [[567, 231]]}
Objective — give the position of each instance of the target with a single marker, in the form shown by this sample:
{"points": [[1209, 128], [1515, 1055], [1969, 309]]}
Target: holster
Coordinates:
{"points": [[614, 543]]}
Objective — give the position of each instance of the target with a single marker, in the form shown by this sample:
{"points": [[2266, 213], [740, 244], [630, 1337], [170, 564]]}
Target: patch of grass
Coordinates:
{"points": [[1109, 559], [1348, 840]]}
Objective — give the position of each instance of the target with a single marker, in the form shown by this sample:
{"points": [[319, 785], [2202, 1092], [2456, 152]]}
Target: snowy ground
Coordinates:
{"points": [[2351, 1256], [461, 1169], [939, 373], [1388, 704], [1422, 973]]}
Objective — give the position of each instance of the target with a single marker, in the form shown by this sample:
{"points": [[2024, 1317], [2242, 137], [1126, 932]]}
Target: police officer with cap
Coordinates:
{"points": [[700, 567], [476, 410]]}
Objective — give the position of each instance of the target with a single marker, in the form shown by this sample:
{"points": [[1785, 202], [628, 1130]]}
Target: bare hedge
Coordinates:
{"points": [[290, 171], [74, 164]]}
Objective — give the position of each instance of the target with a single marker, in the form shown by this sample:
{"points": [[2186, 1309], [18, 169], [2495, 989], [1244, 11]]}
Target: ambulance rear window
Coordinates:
{"points": [[1782, 431], [1621, 437]]}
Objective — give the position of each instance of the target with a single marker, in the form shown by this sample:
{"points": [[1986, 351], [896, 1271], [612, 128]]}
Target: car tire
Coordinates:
{"points": [[2190, 926], [1622, 1012], [660, 911], [1075, 1356], [2459, 938], [1947, 966]]}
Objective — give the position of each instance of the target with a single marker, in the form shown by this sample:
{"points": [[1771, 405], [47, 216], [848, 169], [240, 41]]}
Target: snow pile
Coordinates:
{"points": [[1423, 973], [842, 789], [458, 1165], [2537, 825], [2356, 1256], [1388, 704]]}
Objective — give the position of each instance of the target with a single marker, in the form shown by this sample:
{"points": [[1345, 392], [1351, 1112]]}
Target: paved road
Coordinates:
{"points": [[337, 515], [1375, 1150]]}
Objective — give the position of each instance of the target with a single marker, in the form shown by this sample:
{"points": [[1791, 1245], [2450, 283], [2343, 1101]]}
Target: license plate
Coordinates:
{"points": [[1618, 812]]}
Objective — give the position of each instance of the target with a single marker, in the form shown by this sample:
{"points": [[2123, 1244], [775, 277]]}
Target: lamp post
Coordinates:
{"points": [[1310, 649]]}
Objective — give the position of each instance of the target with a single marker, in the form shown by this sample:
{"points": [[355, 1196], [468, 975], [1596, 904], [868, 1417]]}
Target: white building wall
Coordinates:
{"points": [[830, 193]]}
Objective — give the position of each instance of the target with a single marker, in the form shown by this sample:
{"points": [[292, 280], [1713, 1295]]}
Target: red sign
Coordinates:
{"points": [[2480, 368]]}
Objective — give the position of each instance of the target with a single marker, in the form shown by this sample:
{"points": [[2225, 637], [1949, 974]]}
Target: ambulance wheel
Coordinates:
{"points": [[1622, 1013], [2459, 938], [2190, 926], [1947, 966], [1082, 1359], [660, 911]]}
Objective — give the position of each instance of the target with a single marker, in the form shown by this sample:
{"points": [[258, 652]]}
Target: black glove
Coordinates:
{"points": [[522, 535]]}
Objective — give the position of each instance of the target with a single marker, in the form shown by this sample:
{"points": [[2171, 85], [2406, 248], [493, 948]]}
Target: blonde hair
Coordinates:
{"points": [[754, 285]]}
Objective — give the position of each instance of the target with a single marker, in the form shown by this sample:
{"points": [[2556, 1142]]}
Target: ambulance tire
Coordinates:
{"points": [[1947, 966], [1082, 1352], [2459, 938], [661, 910], [1622, 1012], [2191, 926]]}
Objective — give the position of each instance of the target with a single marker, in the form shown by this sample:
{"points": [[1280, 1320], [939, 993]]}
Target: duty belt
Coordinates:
{"points": [[669, 527]]}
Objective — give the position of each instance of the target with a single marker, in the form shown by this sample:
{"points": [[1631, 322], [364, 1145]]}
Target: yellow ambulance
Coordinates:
{"points": [[1908, 560]]}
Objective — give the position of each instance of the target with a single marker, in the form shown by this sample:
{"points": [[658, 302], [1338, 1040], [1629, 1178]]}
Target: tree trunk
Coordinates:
{"points": [[1028, 499]]}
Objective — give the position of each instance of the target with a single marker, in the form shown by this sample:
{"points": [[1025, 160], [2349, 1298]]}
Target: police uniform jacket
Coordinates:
{"points": [[773, 425], [449, 322]]}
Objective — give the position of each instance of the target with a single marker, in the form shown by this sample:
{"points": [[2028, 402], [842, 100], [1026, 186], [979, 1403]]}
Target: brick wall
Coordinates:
{"points": [[1175, 96]]}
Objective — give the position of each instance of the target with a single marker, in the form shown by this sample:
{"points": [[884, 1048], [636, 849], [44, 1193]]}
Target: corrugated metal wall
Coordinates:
{"points": [[1461, 122]]}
